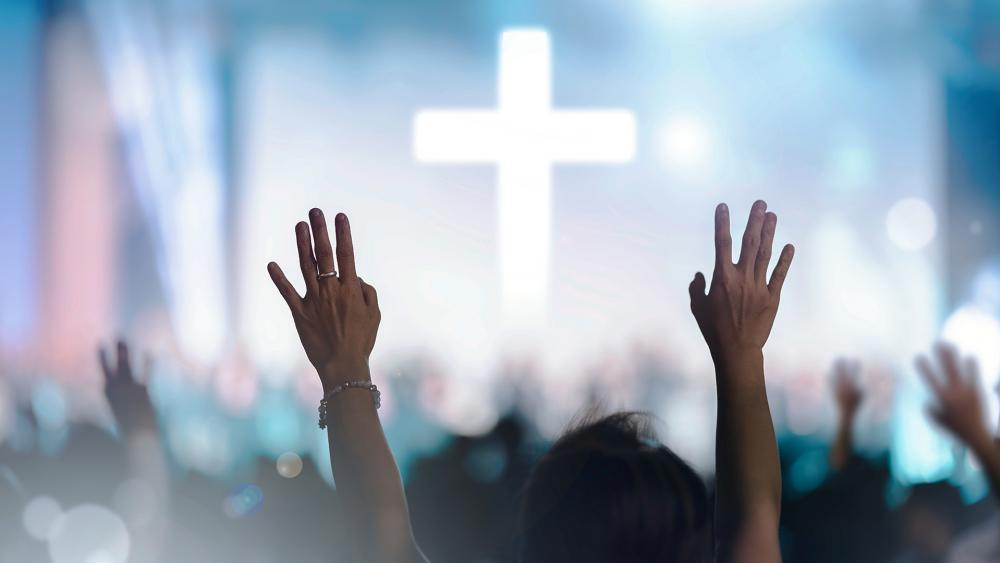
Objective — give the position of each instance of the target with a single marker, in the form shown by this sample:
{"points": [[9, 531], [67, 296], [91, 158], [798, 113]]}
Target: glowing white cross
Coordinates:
{"points": [[524, 137]]}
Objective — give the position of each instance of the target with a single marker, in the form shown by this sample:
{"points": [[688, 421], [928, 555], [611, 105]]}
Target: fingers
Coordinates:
{"points": [[147, 368], [948, 360], [102, 357], [751, 237], [284, 287], [781, 270], [307, 262], [927, 374], [697, 289], [972, 371], [847, 377], [345, 248], [371, 297], [321, 241], [723, 238], [124, 367], [766, 242]]}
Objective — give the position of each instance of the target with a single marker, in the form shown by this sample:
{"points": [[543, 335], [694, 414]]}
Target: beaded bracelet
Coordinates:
{"points": [[357, 384]]}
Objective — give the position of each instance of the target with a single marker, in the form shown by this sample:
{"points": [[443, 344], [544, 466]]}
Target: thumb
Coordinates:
{"points": [[697, 289]]}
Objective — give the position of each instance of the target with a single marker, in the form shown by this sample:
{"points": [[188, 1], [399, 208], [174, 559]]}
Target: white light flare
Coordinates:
{"points": [[685, 143], [911, 224], [976, 334], [524, 137]]}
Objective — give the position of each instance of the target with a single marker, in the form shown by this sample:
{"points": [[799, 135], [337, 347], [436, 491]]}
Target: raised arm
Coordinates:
{"points": [[959, 407], [735, 317], [337, 321], [128, 397], [849, 395]]}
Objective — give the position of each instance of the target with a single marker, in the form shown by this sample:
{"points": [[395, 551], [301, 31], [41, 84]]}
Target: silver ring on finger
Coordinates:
{"points": [[332, 274]]}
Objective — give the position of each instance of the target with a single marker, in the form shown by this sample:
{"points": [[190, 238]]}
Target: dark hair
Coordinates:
{"points": [[608, 491]]}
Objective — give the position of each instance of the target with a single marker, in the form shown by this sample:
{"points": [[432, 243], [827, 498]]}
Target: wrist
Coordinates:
{"points": [[336, 372], [847, 416], [979, 441], [726, 357], [846, 420]]}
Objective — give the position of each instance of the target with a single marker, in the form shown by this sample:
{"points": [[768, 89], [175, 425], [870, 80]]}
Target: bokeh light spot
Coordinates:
{"points": [[243, 501], [39, 517], [911, 224], [808, 471], [87, 534], [49, 404], [289, 465]]}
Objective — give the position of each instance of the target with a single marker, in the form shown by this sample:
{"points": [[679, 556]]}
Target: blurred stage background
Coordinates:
{"points": [[155, 155]]}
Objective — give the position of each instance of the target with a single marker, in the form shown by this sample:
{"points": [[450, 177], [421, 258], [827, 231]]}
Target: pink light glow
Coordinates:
{"points": [[80, 214]]}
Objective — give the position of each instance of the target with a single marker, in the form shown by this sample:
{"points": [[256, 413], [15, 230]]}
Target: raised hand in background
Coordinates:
{"points": [[125, 389], [847, 389], [955, 384], [849, 394], [337, 320], [736, 317], [128, 397], [958, 406]]}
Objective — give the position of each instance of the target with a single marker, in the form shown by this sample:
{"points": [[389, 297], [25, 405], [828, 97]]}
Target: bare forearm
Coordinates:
{"points": [[843, 443], [987, 452], [146, 463], [367, 477], [747, 467]]}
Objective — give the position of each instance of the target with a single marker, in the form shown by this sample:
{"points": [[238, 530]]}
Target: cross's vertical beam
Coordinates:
{"points": [[524, 215], [524, 207], [525, 73]]}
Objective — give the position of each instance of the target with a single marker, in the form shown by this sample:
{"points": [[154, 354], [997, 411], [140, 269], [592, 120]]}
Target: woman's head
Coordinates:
{"points": [[608, 491]]}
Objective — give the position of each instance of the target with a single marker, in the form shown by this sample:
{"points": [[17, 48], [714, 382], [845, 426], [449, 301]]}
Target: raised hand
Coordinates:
{"points": [[735, 317], [955, 385], [847, 386], [849, 394], [126, 394], [737, 313], [338, 318], [337, 321], [959, 408]]}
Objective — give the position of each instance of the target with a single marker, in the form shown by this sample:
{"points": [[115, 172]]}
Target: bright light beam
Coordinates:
{"points": [[524, 137]]}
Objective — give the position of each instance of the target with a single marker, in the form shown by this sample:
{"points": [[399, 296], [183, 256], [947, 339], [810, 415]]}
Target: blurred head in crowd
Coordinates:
{"points": [[930, 519], [609, 491]]}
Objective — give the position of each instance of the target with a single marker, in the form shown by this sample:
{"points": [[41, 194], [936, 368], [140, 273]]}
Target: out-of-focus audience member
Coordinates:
{"points": [[958, 408], [849, 395], [146, 468], [846, 518]]}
